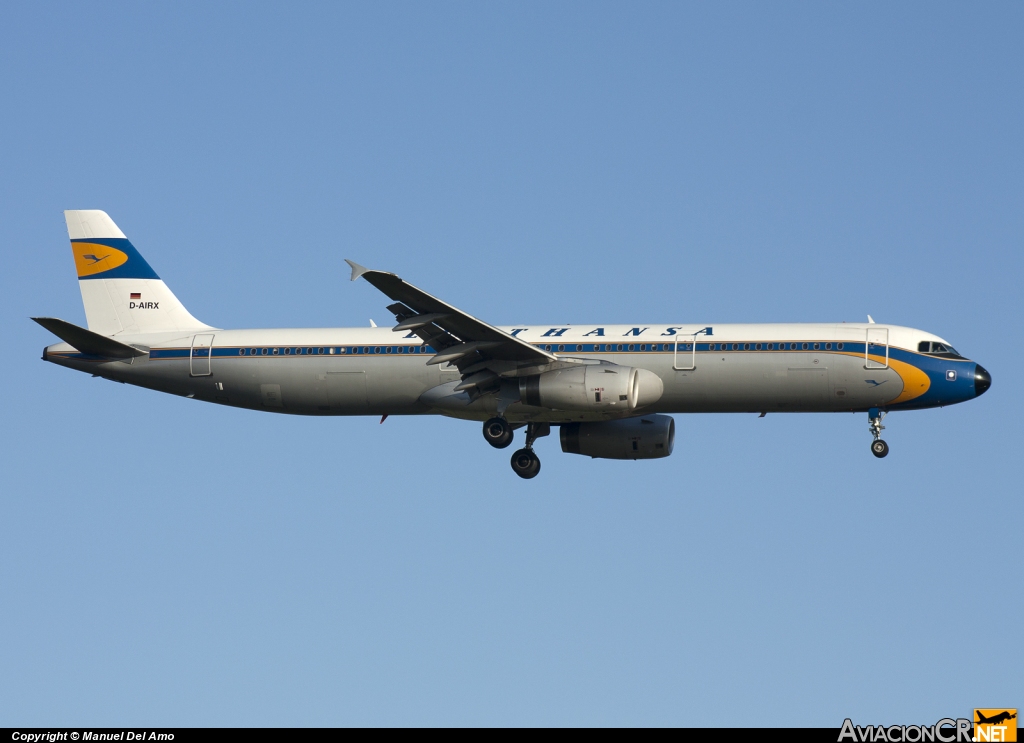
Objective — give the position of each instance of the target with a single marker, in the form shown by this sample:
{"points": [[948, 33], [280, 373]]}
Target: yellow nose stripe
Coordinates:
{"points": [[915, 381], [91, 258]]}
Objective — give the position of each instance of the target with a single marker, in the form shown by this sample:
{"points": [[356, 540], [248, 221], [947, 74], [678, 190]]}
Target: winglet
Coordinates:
{"points": [[357, 270], [871, 320]]}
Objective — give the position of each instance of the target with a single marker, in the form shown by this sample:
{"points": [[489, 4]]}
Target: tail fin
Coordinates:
{"points": [[121, 293]]}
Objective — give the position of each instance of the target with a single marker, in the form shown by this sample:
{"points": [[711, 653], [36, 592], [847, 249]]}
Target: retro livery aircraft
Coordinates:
{"points": [[608, 387]]}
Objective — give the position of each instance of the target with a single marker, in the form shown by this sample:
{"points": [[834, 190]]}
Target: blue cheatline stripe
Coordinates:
{"points": [[134, 268], [845, 348]]}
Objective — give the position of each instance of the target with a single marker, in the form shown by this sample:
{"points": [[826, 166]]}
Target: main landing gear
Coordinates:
{"points": [[498, 433], [525, 462], [878, 447]]}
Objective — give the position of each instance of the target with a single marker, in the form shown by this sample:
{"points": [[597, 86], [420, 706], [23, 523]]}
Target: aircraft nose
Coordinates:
{"points": [[982, 380]]}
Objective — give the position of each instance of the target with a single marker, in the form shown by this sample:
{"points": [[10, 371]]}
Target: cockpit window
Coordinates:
{"points": [[938, 349]]}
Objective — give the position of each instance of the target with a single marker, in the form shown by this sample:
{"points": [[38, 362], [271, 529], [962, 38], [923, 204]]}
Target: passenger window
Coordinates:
{"points": [[746, 346], [817, 346], [839, 346], [805, 346], [277, 351], [319, 350]]}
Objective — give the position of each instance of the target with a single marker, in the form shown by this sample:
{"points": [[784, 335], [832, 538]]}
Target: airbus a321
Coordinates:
{"points": [[608, 388]]}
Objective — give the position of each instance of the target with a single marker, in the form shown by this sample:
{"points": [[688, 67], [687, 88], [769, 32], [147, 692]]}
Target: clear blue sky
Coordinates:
{"points": [[166, 562]]}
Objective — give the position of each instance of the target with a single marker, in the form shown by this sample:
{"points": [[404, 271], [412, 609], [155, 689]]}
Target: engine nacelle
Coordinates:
{"points": [[592, 387], [645, 437]]}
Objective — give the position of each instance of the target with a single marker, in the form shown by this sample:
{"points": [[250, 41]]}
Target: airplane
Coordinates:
{"points": [[610, 389], [994, 719]]}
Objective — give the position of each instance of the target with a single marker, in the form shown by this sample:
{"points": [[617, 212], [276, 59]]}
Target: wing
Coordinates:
{"points": [[481, 352]]}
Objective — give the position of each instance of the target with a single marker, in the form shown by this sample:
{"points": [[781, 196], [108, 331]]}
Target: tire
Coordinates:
{"points": [[498, 433], [525, 463], [879, 448]]}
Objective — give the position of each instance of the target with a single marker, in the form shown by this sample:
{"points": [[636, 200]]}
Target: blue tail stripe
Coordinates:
{"points": [[134, 268]]}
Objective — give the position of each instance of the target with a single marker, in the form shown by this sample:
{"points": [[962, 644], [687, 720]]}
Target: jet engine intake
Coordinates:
{"points": [[644, 437], [592, 387]]}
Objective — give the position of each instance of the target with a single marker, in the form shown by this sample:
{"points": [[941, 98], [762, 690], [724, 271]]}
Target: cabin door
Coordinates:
{"points": [[199, 358], [876, 348]]}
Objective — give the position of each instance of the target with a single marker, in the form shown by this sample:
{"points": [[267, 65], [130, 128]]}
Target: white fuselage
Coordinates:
{"points": [[374, 371]]}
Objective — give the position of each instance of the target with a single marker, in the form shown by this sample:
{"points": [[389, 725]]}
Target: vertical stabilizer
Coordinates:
{"points": [[121, 293]]}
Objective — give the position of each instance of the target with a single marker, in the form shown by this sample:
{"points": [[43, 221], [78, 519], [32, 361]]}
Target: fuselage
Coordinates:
{"points": [[760, 368]]}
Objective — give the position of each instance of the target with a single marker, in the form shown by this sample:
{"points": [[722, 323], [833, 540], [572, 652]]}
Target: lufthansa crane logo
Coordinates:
{"points": [[92, 258]]}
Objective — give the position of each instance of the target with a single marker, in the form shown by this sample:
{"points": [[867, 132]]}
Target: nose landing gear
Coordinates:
{"points": [[525, 462], [878, 447]]}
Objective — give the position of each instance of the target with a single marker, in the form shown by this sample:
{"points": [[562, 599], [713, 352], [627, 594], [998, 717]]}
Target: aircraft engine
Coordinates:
{"points": [[645, 437], [592, 387]]}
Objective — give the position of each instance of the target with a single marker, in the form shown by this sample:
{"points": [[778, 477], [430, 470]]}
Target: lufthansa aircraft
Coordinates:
{"points": [[607, 387]]}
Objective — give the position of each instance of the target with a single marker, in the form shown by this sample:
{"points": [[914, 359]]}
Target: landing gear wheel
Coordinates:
{"points": [[525, 463], [498, 433], [879, 448]]}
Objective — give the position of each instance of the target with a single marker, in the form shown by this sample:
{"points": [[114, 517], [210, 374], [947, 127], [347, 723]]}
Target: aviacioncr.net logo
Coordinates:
{"points": [[946, 730]]}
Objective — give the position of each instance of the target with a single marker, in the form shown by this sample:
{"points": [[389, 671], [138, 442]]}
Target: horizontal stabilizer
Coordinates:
{"points": [[87, 341]]}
